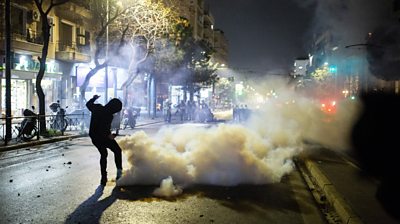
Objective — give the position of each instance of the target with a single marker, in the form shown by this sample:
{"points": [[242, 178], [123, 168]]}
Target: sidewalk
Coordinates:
{"points": [[70, 134], [351, 195]]}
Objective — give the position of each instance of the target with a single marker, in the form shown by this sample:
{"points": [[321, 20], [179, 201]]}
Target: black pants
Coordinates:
{"points": [[102, 145]]}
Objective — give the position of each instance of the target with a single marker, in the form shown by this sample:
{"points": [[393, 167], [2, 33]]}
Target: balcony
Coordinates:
{"points": [[31, 42], [73, 12], [71, 52]]}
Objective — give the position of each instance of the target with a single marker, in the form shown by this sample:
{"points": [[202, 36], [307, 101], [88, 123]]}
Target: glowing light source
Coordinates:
{"points": [[333, 69]]}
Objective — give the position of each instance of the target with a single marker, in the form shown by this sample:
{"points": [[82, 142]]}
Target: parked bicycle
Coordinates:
{"points": [[59, 121], [28, 128]]}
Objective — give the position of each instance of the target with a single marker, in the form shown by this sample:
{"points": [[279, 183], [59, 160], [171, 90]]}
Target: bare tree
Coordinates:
{"points": [[102, 22], [44, 12], [149, 21]]}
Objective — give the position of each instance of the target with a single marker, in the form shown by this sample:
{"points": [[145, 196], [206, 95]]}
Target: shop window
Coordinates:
{"points": [[18, 96]]}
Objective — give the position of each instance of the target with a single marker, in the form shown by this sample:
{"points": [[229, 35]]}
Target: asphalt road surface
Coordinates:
{"points": [[59, 183]]}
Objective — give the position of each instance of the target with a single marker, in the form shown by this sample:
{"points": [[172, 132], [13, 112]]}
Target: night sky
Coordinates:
{"points": [[268, 35], [264, 36]]}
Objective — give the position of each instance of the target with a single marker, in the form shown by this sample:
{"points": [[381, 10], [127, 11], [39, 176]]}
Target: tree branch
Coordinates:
{"points": [[54, 4]]}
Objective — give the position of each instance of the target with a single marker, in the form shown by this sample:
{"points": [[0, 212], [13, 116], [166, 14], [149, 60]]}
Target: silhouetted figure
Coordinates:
{"points": [[376, 143], [182, 110], [100, 133], [167, 111]]}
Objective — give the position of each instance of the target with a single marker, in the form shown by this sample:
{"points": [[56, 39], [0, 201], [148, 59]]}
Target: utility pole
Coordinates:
{"points": [[106, 58], [7, 19]]}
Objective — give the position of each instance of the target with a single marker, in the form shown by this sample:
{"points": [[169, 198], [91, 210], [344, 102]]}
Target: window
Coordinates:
{"points": [[18, 21], [65, 36]]}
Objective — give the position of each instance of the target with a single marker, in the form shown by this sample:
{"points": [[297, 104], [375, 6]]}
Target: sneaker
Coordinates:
{"points": [[103, 181], [119, 173]]}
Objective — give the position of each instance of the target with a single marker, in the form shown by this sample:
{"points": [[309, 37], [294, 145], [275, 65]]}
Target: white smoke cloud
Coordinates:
{"points": [[257, 152], [223, 155], [167, 189]]}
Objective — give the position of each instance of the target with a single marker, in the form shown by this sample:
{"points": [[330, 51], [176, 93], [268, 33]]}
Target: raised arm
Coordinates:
{"points": [[90, 103]]}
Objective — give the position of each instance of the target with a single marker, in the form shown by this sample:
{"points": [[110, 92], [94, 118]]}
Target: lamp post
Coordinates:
{"points": [[106, 57], [7, 19], [364, 77]]}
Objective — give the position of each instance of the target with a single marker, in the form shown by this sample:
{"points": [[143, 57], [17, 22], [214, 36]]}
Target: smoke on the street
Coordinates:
{"points": [[349, 22], [259, 151]]}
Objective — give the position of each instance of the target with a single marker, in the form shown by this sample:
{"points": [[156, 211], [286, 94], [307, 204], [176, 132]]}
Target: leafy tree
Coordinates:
{"points": [[323, 82], [197, 70], [168, 56]]}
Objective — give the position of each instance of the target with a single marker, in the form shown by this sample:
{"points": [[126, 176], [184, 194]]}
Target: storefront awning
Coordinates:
{"points": [[21, 74]]}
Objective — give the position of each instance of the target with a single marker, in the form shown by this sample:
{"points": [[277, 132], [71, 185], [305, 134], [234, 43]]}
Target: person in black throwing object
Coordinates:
{"points": [[100, 133]]}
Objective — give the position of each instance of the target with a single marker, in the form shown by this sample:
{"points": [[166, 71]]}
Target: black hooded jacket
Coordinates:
{"points": [[100, 122]]}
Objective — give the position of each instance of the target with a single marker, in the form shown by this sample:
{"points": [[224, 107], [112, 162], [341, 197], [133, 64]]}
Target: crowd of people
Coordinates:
{"points": [[189, 111], [241, 113]]}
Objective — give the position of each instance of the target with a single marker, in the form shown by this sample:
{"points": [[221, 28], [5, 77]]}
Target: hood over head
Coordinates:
{"points": [[114, 106]]}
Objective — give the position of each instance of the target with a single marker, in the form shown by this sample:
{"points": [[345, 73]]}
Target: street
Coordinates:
{"points": [[59, 183], [217, 111]]}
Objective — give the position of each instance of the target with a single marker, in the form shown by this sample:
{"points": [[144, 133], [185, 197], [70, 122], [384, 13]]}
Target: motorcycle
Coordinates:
{"points": [[28, 128], [59, 121], [129, 118]]}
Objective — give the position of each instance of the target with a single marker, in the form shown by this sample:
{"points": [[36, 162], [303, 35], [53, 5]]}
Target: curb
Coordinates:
{"points": [[39, 142], [43, 140], [345, 212], [143, 124]]}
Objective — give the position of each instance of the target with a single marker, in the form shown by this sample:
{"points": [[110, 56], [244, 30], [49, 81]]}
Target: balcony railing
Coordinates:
{"points": [[70, 51], [34, 37], [72, 47], [29, 36]]}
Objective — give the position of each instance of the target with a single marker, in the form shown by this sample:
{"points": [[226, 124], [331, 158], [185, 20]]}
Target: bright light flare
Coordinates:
{"points": [[329, 107]]}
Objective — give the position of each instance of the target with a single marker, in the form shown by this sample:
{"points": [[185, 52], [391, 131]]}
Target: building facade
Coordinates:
{"points": [[70, 53], [221, 47], [204, 29], [347, 62], [69, 43], [209, 38]]}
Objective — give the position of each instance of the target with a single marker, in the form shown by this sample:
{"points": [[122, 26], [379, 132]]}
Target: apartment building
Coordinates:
{"points": [[69, 43], [348, 60], [221, 47], [203, 23], [208, 28]]}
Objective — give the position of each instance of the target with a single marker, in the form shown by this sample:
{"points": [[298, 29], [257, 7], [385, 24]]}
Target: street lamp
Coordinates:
{"points": [[365, 80], [106, 57], [7, 19]]}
